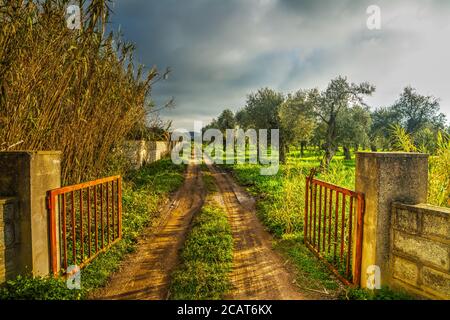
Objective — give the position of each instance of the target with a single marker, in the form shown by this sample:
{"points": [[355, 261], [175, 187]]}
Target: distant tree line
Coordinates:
{"points": [[338, 117]]}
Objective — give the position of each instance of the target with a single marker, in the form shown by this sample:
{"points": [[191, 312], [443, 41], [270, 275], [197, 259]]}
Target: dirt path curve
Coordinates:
{"points": [[259, 273], [145, 274]]}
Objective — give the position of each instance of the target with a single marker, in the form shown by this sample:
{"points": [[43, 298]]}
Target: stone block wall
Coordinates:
{"points": [[9, 237], [420, 250]]}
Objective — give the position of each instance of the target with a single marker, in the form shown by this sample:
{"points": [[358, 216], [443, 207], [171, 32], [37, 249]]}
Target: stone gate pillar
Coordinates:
{"points": [[385, 178], [25, 178]]}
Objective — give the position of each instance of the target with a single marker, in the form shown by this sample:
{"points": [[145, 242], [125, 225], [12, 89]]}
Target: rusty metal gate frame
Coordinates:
{"points": [[313, 228], [103, 192]]}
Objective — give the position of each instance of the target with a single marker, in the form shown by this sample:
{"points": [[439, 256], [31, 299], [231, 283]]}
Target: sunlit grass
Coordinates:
{"points": [[206, 258]]}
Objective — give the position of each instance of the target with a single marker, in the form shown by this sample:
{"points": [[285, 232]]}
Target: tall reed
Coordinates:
{"points": [[439, 179], [77, 91]]}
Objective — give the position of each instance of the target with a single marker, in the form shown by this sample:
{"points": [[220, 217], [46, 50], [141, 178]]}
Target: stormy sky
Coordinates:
{"points": [[221, 50]]}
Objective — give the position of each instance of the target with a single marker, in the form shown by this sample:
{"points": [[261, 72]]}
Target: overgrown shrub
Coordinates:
{"points": [[29, 288]]}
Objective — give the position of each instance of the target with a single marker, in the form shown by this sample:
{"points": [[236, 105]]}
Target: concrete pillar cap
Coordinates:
{"points": [[393, 154]]}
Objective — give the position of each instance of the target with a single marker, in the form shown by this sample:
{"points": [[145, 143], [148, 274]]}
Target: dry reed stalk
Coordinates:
{"points": [[74, 91]]}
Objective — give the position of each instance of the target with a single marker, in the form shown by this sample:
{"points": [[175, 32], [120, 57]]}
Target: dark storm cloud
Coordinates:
{"points": [[221, 50]]}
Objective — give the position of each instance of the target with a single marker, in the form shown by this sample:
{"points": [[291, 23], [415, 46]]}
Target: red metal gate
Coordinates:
{"points": [[87, 219], [333, 229]]}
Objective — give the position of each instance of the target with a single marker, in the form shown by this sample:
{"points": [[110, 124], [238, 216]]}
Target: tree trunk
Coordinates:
{"points": [[330, 143], [282, 152], [329, 154], [302, 149], [347, 154]]}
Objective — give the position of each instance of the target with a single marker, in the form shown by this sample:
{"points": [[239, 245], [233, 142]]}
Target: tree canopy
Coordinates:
{"points": [[338, 117]]}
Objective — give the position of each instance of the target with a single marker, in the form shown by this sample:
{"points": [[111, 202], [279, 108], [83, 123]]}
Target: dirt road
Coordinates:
{"points": [[145, 274], [259, 273]]}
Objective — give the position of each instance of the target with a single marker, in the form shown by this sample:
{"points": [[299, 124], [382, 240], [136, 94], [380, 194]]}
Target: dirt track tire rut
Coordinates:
{"points": [[259, 273]]}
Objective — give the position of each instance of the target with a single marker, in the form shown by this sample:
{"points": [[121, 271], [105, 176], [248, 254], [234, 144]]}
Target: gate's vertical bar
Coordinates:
{"points": [[329, 220], [342, 228], [101, 216], [95, 218], [119, 200], [359, 236], [81, 226], [320, 219], [315, 214], [64, 229], [53, 253], [113, 199], [311, 191], [89, 221], [336, 223], [107, 213], [325, 220], [74, 228], [350, 227], [305, 225]]}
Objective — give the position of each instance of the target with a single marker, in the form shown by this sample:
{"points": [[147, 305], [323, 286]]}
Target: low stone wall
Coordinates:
{"points": [[9, 238], [420, 250], [140, 152]]}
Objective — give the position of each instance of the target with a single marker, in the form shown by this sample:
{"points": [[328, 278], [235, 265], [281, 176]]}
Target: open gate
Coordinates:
{"points": [[333, 228], [85, 220]]}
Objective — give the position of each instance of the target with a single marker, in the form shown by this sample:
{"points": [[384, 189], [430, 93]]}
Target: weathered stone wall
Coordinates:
{"points": [[26, 176], [157, 150], [140, 152], [9, 237], [420, 250]]}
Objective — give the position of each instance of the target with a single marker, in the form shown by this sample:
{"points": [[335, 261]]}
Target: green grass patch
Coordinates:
{"points": [[385, 293], [29, 288], [208, 180], [206, 258], [144, 191], [312, 274]]}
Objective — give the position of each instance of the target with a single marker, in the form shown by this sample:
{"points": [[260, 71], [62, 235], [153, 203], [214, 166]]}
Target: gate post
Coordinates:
{"points": [[385, 178], [27, 176]]}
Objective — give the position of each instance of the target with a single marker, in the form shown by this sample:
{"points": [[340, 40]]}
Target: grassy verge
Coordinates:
{"points": [[207, 255], [144, 191]]}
